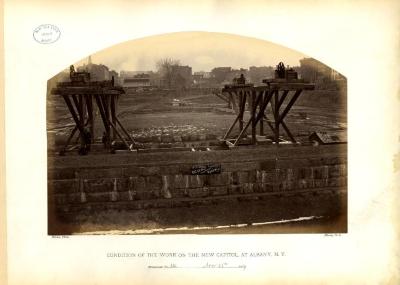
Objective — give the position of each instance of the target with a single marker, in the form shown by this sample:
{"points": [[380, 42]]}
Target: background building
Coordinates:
{"points": [[99, 72], [314, 71], [138, 80], [256, 74]]}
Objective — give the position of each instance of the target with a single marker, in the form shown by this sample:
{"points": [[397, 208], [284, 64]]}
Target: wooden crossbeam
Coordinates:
{"points": [[269, 123], [119, 135], [89, 106], [273, 86], [76, 90], [235, 103], [71, 135], [73, 113], [231, 127], [75, 100], [264, 105], [124, 130], [289, 106], [276, 114], [113, 115], [252, 119], [221, 96], [288, 132], [242, 106], [102, 114], [283, 124], [283, 97]]}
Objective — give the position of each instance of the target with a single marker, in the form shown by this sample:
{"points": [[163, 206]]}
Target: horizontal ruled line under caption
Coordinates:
{"points": [[206, 266]]}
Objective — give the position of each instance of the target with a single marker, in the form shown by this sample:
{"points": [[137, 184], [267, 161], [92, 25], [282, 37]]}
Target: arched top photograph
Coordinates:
{"points": [[197, 132]]}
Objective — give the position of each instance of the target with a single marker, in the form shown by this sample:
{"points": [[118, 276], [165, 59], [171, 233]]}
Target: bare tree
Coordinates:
{"points": [[168, 70]]}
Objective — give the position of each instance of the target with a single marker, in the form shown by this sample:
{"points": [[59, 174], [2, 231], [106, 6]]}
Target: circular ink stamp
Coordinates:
{"points": [[46, 34]]}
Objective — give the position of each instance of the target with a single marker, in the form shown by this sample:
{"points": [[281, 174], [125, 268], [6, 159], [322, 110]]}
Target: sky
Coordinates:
{"points": [[200, 50]]}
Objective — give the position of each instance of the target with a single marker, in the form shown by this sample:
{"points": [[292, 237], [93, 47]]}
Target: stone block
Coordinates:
{"points": [[60, 199], [165, 145], [147, 194], [168, 181], [185, 138], [319, 183], [178, 144], [104, 185], [248, 188], [178, 192], [235, 189], [101, 173], [265, 176], [241, 177], [277, 187], [76, 198], [258, 176], [288, 185], [290, 174], [211, 136], [153, 182], [252, 176], [332, 160], [196, 181], [194, 137], [343, 181], [198, 192], [177, 139], [218, 179], [140, 139], [98, 197], [337, 182], [155, 139], [149, 170], [167, 139], [63, 186], [132, 171], [305, 183], [268, 164], [127, 196], [98, 185], [265, 187], [242, 166], [280, 174], [334, 171], [181, 181], [304, 173], [61, 174], [320, 172], [114, 196], [202, 137], [169, 170], [219, 191], [292, 163], [136, 183], [343, 170]]}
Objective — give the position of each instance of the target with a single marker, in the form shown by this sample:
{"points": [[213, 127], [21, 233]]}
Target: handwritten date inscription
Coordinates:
{"points": [[206, 169]]}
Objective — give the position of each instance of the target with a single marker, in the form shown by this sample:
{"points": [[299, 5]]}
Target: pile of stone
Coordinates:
{"points": [[173, 134]]}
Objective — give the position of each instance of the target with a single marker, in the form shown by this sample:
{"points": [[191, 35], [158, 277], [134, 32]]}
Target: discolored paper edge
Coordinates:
{"points": [[392, 277]]}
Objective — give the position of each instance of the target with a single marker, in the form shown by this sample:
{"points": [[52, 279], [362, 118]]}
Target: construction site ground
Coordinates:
{"points": [[175, 119]]}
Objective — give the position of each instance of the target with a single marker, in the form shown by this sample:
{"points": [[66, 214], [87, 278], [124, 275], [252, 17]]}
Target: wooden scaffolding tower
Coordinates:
{"points": [[81, 97], [275, 93]]}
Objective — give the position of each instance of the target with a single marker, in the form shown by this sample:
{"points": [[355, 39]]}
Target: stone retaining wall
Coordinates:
{"points": [[137, 181]]}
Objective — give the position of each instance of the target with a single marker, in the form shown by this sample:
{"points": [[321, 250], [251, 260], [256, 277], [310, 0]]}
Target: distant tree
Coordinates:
{"points": [[168, 70]]}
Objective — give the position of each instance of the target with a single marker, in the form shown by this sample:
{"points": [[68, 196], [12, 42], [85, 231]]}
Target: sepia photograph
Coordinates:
{"points": [[201, 142], [200, 133]]}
